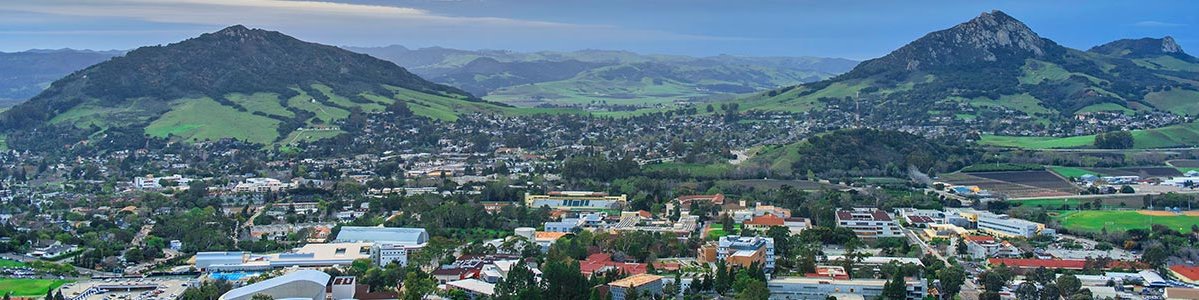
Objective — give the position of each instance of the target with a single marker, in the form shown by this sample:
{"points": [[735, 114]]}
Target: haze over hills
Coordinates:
{"points": [[25, 74], [616, 77], [251, 84], [994, 67]]}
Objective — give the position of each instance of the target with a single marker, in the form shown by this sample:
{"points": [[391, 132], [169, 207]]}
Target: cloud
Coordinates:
{"points": [[1156, 24], [343, 23]]}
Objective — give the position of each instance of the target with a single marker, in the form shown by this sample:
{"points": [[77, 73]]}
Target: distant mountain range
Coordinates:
{"points": [[25, 74], [614, 77], [995, 66], [250, 84]]}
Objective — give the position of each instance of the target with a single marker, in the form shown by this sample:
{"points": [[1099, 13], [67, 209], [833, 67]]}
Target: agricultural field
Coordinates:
{"points": [[1072, 172], [1121, 220], [1015, 184], [1184, 165], [29, 287], [1129, 202], [1038, 142], [1138, 171]]}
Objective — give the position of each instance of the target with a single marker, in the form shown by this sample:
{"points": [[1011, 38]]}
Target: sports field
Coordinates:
{"points": [[8, 263], [1113, 220], [29, 287]]}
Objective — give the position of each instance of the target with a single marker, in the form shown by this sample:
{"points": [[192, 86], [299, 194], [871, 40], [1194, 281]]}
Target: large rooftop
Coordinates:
{"points": [[399, 235]]}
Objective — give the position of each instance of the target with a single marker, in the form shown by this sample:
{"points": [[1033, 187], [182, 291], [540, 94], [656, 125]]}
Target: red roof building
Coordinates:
{"points": [[1188, 274], [1067, 264], [602, 262]]}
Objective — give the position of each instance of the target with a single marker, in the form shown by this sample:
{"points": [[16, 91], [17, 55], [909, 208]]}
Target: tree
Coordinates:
{"points": [[519, 284], [261, 296], [1068, 285], [1127, 189], [1114, 140], [563, 280], [1050, 292], [1028, 291], [754, 290], [896, 288], [726, 223], [1156, 256], [417, 285], [952, 279]]}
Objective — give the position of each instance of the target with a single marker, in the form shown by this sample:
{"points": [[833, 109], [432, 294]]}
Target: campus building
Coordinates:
{"points": [[1004, 225], [573, 200], [741, 251], [868, 223], [310, 255], [303, 284], [798, 288], [641, 284], [388, 244]]}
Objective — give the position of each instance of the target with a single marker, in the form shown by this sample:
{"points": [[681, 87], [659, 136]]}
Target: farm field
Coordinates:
{"points": [[1129, 202], [777, 184], [1015, 184], [29, 287], [1069, 172], [1138, 171], [1121, 220], [1184, 165]]}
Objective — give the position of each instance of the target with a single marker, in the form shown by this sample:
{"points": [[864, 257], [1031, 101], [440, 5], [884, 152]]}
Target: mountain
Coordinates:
{"points": [[25, 74], [995, 68], [250, 84], [615, 77]]}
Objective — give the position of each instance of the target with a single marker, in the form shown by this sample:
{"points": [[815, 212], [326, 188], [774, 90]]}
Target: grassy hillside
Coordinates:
{"points": [[1182, 135]]}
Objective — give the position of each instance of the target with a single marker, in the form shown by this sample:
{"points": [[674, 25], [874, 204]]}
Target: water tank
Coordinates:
{"points": [[526, 232]]}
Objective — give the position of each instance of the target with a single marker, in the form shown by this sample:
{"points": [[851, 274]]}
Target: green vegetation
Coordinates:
{"points": [[715, 231], [29, 287], [1038, 142], [326, 114], [310, 135], [205, 119], [1095, 221], [267, 103], [1000, 167], [717, 170], [1106, 106], [8, 263], [1178, 101], [1071, 172], [1025, 103]]}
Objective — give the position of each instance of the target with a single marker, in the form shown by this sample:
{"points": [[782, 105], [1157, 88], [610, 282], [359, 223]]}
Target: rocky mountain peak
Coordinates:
{"points": [[996, 29]]}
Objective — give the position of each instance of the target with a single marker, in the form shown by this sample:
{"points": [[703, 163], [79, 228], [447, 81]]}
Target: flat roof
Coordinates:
{"points": [[474, 285], [636, 280]]}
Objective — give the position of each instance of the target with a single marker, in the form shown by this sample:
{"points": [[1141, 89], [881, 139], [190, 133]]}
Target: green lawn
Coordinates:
{"points": [[204, 118], [7, 263], [1095, 220], [29, 287], [717, 231], [267, 103], [1071, 172]]}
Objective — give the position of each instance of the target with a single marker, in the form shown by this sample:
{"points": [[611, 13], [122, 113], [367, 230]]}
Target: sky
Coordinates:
{"points": [[843, 28]]}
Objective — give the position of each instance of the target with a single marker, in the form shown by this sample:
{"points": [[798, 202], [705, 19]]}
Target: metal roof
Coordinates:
{"points": [[398, 235], [303, 276]]}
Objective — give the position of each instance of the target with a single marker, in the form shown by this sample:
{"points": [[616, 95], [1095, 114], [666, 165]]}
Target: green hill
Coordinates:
{"points": [[994, 67], [250, 84]]}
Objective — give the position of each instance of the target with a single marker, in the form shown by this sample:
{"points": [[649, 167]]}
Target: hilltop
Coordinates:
{"points": [[614, 77], [250, 84], [996, 72]]}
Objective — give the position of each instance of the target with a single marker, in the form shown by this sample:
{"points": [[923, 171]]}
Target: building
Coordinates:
{"points": [[473, 288], [310, 255], [303, 284], [744, 251], [1184, 273], [819, 288], [980, 247], [586, 220], [868, 223], [1003, 225], [602, 262], [389, 244], [260, 185], [1065, 264], [642, 284], [573, 200], [1177, 293], [685, 202]]}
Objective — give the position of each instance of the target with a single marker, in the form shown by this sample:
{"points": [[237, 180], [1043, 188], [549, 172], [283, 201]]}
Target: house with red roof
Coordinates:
{"points": [[1184, 273]]}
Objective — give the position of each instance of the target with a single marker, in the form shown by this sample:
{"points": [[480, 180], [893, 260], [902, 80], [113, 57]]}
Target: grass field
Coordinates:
{"points": [[1181, 135], [1071, 172], [8, 263], [1074, 203], [204, 118], [29, 287], [1178, 101], [267, 103], [716, 231], [1096, 220]]}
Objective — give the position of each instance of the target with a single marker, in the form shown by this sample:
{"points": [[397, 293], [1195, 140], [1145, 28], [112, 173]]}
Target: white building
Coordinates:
{"points": [[310, 255], [260, 185], [742, 250], [819, 288], [869, 223], [389, 244], [1005, 226], [303, 284]]}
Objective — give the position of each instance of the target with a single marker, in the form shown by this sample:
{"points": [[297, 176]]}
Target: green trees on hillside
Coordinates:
{"points": [[1114, 140]]}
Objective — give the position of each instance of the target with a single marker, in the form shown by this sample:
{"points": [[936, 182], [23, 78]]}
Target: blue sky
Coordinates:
{"points": [[851, 29]]}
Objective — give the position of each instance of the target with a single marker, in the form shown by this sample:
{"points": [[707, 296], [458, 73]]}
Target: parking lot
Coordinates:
{"points": [[127, 288]]}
